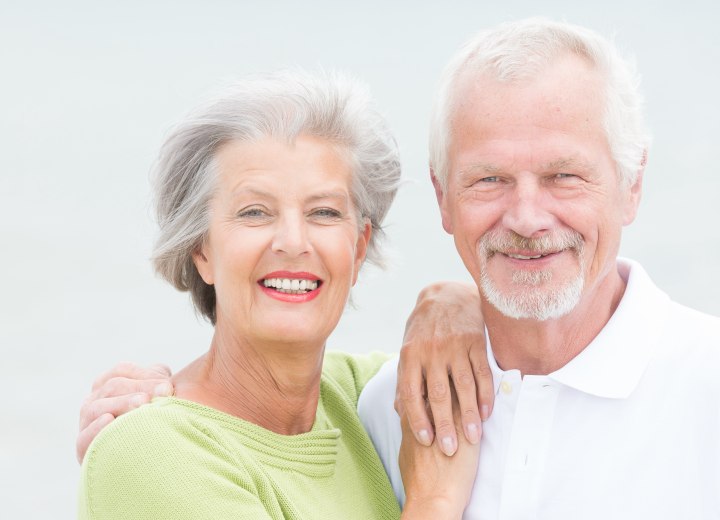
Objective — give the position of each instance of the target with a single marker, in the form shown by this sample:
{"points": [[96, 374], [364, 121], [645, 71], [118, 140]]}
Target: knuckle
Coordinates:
{"points": [[438, 391], [114, 387], [444, 425], [409, 392], [469, 413], [483, 370], [463, 379]]}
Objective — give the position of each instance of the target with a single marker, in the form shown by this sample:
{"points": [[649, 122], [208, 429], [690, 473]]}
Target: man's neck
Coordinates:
{"points": [[541, 347]]}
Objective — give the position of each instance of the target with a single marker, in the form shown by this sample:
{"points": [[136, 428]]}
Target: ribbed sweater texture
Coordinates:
{"points": [[176, 459]]}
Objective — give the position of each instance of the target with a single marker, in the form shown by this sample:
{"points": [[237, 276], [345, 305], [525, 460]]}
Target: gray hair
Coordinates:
{"points": [[281, 105], [516, 51]]}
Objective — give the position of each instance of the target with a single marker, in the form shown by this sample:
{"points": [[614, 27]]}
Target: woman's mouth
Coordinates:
{"points": [[291, 285]]}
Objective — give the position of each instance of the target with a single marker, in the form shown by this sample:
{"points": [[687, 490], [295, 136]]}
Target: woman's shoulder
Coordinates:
{"points": [[148, 438], [351, 372], [155, 459]]}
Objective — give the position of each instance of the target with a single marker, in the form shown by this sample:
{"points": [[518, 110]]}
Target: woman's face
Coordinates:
{"points": [[284, 245]]}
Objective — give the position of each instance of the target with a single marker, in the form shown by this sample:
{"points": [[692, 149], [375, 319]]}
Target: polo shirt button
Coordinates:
{"points": [[506, 387]]}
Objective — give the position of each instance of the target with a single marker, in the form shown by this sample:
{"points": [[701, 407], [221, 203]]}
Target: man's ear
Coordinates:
{"points": [[442, 203], [203, 265], [634, 194]]}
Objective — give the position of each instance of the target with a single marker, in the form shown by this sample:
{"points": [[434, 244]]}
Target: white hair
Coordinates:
{"points": [[282, 105], [516, 51]]}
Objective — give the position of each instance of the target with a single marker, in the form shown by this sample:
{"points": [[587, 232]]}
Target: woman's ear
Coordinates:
{"points": [[361, 247], [201, 259]]}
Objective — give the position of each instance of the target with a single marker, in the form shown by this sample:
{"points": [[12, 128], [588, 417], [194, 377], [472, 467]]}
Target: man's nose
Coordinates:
{"points": [[528, 213], [291, 236]]}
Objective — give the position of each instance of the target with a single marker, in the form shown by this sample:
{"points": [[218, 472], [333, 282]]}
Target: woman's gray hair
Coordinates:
{"points": [[281, 105], [517, 51]]}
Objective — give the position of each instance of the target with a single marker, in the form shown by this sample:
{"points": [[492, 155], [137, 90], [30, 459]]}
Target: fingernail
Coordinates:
{"points": [[138, 400], [484, 412], [448, 446], [472, 433], [163, 390], [423, 437]]}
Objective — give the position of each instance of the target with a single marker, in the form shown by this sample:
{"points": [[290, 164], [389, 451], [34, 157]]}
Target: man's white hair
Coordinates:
{"points": [[517, 51]]}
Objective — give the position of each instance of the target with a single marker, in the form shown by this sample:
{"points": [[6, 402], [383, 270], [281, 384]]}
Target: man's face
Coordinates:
{"points": [[533, 198]]}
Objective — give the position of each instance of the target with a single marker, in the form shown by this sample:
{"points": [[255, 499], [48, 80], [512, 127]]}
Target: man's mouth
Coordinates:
{"points": [[291, 285], [524, 257]]}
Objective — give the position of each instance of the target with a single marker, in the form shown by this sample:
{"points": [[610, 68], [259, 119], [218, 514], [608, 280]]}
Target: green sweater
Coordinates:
{"points": [[176, 459]]}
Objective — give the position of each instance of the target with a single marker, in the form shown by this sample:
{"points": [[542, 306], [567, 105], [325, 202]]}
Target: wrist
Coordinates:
{"points": [[432, 509]]}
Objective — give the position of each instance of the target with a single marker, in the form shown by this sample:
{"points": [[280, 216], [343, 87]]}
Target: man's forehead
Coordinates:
{"points": [[558, 164]]}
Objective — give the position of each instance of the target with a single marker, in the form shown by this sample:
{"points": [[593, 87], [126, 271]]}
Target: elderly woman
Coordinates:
{"points": [[269, 199]]}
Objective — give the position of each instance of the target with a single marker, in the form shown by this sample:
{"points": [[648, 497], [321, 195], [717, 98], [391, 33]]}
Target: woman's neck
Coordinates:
{"points": [[274, 386]]}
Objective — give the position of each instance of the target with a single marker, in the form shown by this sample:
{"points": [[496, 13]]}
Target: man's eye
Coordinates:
{"points": [[564, 175], [494, 178]]}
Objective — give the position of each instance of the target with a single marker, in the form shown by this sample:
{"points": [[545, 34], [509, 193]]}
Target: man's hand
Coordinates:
{"points": [[444, 343], [115, 392], [436, 486]]}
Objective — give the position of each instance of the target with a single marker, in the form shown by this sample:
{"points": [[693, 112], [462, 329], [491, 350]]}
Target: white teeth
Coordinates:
{"points": [[291, 286], [523, 257]]}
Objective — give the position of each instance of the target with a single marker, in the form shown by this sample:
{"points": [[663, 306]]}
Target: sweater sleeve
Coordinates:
{"points": [[145, 466]]}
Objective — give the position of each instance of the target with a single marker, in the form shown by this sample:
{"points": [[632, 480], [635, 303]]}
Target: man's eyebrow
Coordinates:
{"points": [[482, 168], [568, 162]]}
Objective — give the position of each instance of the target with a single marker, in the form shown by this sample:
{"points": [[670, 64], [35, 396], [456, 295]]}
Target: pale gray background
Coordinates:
{"points": [[87, 90]]}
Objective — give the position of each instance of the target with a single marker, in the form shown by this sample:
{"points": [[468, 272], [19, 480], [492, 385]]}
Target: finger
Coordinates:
{"points": [[88, 434], [440, 399], [132, 371], [118, 386], [161, 368], [483, 383], [125, 396], [410, 399], [463, 379]]}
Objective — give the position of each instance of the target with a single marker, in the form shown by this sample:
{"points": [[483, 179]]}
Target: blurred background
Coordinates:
{"points": [[89, 89]]}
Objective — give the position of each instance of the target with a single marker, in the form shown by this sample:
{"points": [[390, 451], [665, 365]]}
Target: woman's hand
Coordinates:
{"points": [[436, 486], [445, 341], [116, 392]]}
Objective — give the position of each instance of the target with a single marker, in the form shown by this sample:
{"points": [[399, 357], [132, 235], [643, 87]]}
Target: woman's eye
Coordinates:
{"points": [[326, 213], [252, 213]]}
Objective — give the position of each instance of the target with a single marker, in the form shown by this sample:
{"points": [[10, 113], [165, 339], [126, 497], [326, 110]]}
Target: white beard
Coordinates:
{"points": [[530, 300], [532, 297]]}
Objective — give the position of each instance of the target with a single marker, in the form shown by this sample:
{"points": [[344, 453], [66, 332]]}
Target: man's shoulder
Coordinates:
{"points": [[697, 328], [690, 343]]}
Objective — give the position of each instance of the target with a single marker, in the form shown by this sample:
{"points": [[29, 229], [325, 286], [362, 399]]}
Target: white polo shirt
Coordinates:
{"points": [[629, 429]]}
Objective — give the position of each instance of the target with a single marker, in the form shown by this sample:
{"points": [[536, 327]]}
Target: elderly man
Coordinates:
{"points": [[607, 395]]}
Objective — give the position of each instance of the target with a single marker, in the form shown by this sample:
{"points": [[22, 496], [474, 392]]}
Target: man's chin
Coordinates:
{"points": [[534, 303]]}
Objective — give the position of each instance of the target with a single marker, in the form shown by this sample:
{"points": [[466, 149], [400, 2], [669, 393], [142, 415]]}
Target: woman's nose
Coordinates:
{"points": [[291, 236]]}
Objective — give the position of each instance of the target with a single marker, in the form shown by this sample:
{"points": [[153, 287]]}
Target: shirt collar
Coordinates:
{"points": [[613, 363]]}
